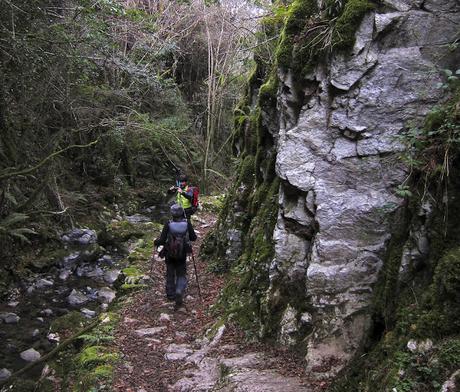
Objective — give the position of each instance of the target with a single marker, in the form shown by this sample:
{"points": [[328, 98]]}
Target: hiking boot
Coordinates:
{"points": [[178, 301], [171, 297]]}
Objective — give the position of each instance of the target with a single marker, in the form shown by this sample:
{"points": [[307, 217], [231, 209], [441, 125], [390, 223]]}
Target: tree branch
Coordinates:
{"points": [[4, 176]]}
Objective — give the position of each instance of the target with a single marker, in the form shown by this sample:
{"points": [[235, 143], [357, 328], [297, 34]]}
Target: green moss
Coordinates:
{"points": [[133, 286], [241, 297], [441, 308], [246, 171], [93, 355], [212, 204], [447, 276], [348, 22], [90, 380], [268, 91], [132, 272], [124, 230], [69, 323], [435, 118], [298, 14], [103, 371]]}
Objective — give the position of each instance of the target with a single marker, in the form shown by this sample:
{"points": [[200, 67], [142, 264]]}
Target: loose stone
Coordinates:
{"points": [[165, 317], [42, 283], [47, 312], [106, 295], [88, 313], [9, 318], [76, 298], [64, 275], [148, 331], [111, 276], [4, 374], [30, 355]]}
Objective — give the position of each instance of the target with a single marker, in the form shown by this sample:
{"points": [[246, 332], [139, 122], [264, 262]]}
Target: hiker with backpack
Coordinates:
{"points": [[187, 196], [176, 236]]}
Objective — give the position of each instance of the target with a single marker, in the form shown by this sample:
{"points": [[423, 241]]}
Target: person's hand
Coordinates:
{"points": [[179, 190]]}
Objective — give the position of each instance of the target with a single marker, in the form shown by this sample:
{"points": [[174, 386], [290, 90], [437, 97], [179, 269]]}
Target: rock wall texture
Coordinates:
{"points": [[337, 134], [339, 162]]}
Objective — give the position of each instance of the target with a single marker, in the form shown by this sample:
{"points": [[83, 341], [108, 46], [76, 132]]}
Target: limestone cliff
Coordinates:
{"points": [[308, 224]]}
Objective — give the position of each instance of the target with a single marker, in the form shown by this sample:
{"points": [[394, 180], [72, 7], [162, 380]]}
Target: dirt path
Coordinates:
{"points": [[164, 350]]}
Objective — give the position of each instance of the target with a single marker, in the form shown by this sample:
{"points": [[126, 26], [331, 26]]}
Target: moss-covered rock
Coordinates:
{"points": [[212, 204], [348, 22], [298, 13], [241, 298], [68, 324]]}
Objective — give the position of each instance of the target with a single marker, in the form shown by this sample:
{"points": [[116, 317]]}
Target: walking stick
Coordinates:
{"points": [[196, 276], [152, 261]]}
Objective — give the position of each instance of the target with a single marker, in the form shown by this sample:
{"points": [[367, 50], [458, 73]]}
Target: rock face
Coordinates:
{"points": [[337, 132], [338, 160]]}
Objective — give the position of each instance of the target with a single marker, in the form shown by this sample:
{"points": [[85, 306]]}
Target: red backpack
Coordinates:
{"points": [[196, 193]]}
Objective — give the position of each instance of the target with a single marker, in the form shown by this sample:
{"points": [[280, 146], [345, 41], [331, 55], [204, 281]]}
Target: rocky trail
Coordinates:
{"points": [[167, 350]]}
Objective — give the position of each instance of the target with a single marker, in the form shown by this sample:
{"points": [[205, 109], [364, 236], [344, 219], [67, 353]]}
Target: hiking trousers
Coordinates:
{"points": [[176, 277]]}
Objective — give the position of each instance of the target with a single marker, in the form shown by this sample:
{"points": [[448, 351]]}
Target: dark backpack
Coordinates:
{"points": [[196, 193], [178, 240]]}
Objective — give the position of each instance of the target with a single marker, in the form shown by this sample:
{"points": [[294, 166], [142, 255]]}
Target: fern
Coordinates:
{"points": [[96, 339], [7, 227], [12, 219]]}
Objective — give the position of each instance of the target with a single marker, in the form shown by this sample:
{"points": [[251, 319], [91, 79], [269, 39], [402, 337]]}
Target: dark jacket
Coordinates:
{"points": [[164, 233]]}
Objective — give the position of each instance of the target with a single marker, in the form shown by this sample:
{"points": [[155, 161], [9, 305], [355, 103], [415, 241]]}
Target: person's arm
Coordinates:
{"points": [[172, 190], [164, 235], [188, 194], [191, 232]]}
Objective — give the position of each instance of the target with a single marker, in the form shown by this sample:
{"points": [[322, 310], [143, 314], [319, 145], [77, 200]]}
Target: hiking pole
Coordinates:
{"points": [[152, 260], [196, 277]]}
